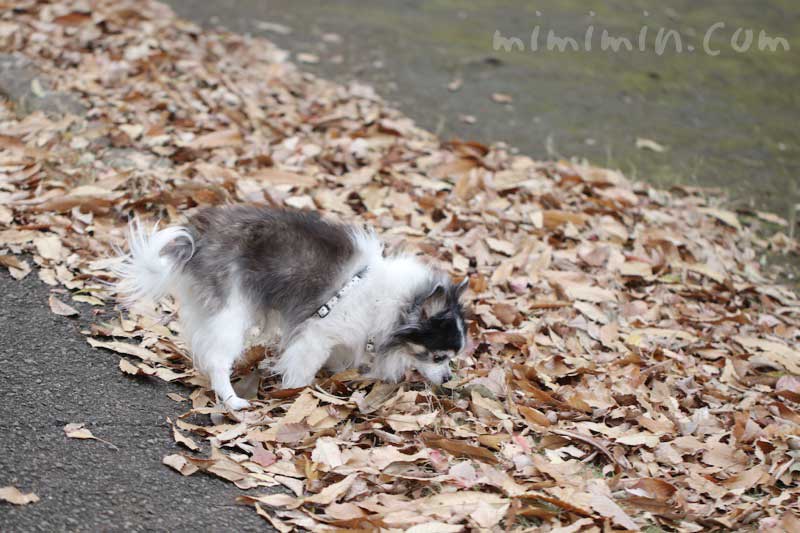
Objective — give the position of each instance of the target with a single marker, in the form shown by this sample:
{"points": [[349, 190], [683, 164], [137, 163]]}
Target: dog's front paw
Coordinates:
{"points": [[236, 404]]}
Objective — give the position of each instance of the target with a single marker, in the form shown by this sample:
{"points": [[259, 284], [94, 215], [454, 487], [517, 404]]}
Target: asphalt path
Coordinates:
{"points": [[49, 377]]}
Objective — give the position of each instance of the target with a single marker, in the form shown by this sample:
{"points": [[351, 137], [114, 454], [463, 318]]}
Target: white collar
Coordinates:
{"points": [[325, 309]]}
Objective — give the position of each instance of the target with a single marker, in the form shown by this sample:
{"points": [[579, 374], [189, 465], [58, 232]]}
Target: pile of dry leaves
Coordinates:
{"points": [[630, 367]]}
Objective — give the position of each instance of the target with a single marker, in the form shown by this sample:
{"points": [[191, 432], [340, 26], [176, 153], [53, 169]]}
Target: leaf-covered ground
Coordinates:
{"points": [[630, 366]]}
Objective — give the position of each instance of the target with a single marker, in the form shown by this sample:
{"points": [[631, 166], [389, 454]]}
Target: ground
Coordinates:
{"points": [[590, 106], [50, 378], [727, 121]]}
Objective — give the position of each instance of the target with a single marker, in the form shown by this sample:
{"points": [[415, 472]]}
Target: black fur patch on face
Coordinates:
{"points": [[434, 326], [439, 333]]}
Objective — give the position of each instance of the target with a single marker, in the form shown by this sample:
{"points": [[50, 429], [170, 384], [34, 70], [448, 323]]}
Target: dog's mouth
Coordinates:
{"points": [[436, 373]]}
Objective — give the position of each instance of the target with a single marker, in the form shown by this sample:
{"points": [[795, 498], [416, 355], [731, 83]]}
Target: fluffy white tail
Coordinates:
{"points": [[144, 272]]}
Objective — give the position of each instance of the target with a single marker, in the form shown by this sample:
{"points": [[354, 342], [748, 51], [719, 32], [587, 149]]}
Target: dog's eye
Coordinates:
{"points": [[440, 357]]}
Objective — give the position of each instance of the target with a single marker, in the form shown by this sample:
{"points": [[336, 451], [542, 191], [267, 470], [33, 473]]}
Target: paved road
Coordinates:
{"points": [[49, 376]]}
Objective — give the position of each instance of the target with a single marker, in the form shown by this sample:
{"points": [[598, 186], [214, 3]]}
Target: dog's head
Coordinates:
{"points": [[431, 330]]}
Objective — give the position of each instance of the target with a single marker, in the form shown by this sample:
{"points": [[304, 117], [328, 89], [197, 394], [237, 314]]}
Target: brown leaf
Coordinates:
{"points": [[773, 350], [49, 247], [9, 142], [380, 393], [274, 521], [500, 246], [656, 489], [728, 217], [458, 448], [78, 431], [13, 495], [596, 443], [18, 269], [292, 432], [602, 503], [788, 387], [261, 456], [217, 139], [125, 348], [129, 368], [554, 218], [533, 416], [74, 18], [502, 98], [179, 463], [282, 177], [506, 313], [333, 492], [60, 308], [180, 438]]}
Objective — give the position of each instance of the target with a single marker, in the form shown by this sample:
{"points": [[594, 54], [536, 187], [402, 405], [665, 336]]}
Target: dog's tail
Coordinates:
{"points": [[152, 263]]}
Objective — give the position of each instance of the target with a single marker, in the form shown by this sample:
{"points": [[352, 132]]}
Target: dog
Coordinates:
{"points": [[324, 288]]}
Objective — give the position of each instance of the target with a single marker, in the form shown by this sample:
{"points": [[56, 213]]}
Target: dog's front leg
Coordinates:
{"points": [[302, 359]]}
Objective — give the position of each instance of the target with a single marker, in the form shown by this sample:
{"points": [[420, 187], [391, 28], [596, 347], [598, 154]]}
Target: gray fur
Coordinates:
{"points": [[286, 261]]}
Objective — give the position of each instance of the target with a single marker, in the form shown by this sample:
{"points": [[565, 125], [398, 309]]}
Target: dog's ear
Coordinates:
{"points": [[434, 302]]}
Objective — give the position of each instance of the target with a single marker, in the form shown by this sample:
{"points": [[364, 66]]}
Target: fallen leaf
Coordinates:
{"points": [[308, 58], [497, 245], [602, 503], [74, 18], [649, 144], [332, 492], [728, 217], [79, 431], [180, 438], [327, 452], [129, 368], [125, 348], [218, 139], [502, 98], [13, 495], [263, 457], [49, 247], [788, 387], [459, 448], [179, 463], [60, 308]]}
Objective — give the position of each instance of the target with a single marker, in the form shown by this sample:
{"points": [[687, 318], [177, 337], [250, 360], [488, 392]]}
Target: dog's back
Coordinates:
{"points": [[282, 260]]}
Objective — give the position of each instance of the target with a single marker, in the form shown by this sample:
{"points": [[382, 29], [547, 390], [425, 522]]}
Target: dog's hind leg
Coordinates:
{"points": [[216, 344]]}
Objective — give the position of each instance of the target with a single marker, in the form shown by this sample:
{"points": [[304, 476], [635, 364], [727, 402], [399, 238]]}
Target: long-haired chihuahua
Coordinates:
{"points": [[324, 289]]}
